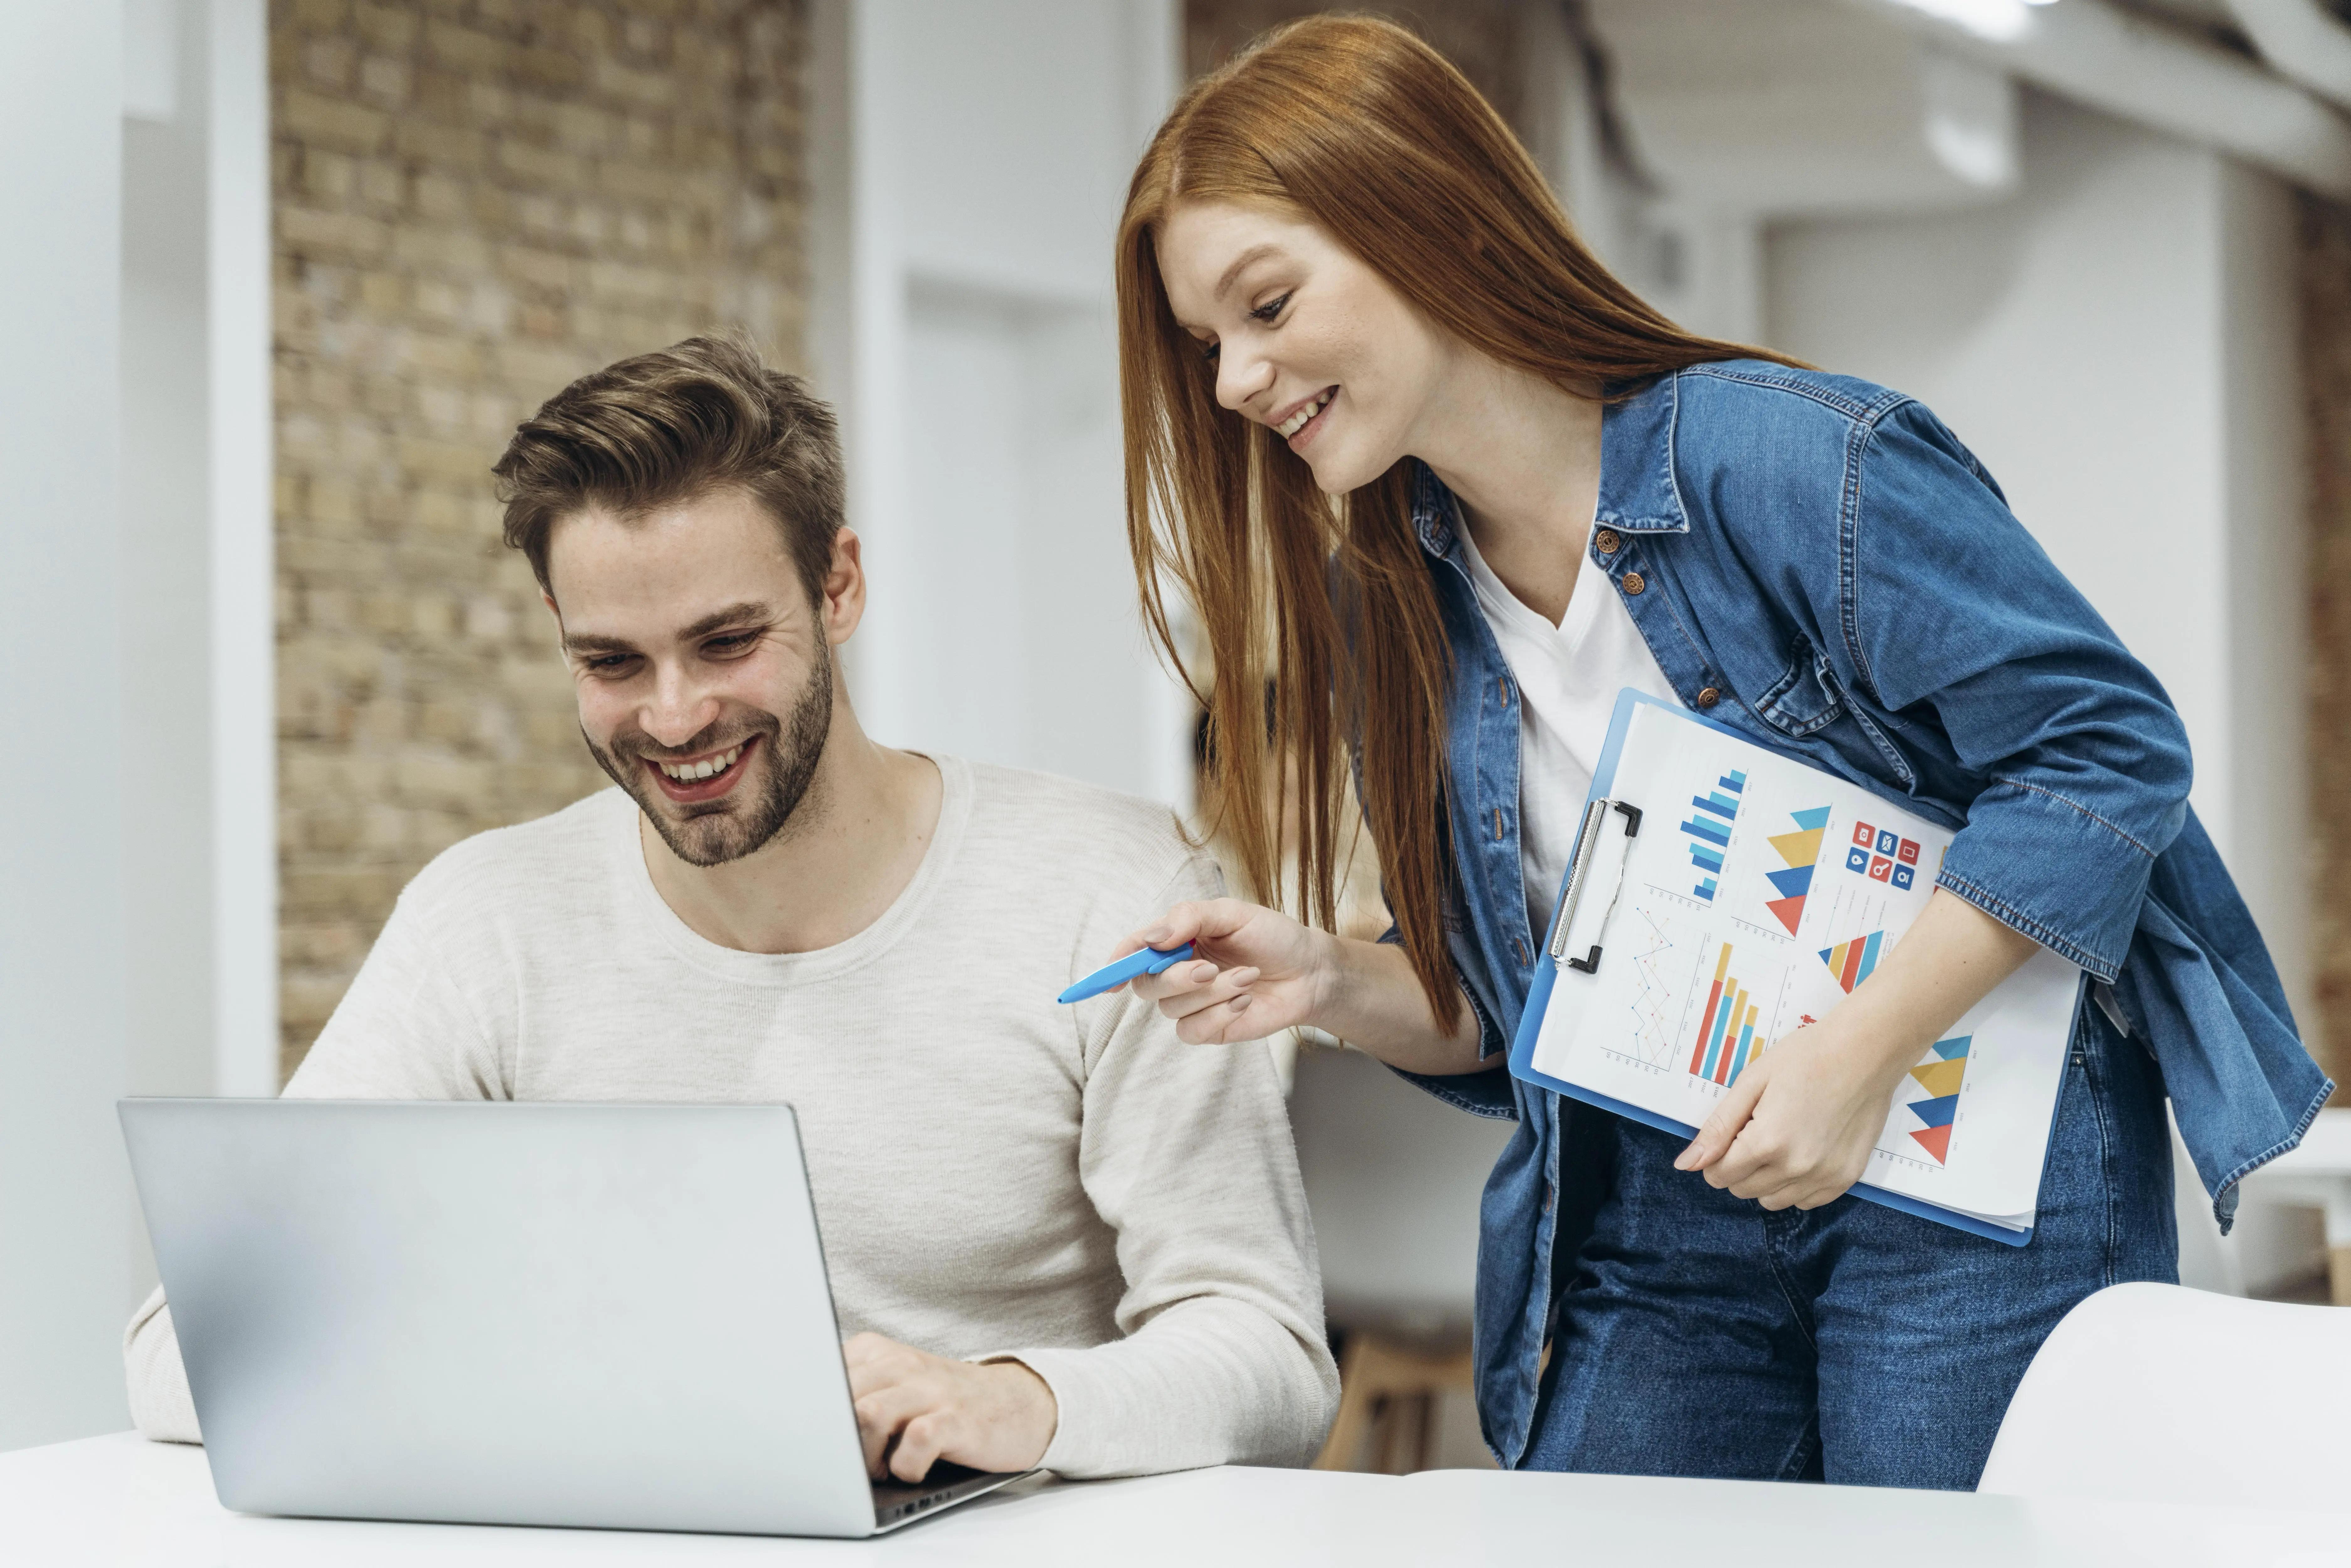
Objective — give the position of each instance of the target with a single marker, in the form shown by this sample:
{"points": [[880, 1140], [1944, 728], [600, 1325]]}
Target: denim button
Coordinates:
{"points": [[1634, 582], [1606, 542], [1709, 698]]}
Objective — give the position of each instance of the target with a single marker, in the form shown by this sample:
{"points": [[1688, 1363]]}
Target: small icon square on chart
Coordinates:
{"points": [[1864, 834], [1856, 860], [1904, 876], [1881, 869], [1909, 854], [1889, 840]]}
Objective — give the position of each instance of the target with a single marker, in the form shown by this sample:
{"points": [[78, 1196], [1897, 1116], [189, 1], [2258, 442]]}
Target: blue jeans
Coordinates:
{"points": [[1699, 1335]]}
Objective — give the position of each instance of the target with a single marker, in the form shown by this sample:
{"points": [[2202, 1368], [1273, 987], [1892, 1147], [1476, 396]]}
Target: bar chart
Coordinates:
{"points": [[1728, 1038], [1708, 830]]}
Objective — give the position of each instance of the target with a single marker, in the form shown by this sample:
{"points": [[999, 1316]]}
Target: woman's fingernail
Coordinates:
{"points": [[1155, 936], [1240, 1004]]}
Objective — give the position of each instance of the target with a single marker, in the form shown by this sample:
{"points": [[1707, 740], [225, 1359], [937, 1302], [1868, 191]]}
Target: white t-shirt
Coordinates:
{"points": [[1567, 677], [996, 1173]]}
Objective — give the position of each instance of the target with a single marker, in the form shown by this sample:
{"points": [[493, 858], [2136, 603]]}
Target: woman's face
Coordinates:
{"points": [[1306, 339]]}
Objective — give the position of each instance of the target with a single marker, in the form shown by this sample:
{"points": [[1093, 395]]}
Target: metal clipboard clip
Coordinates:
{"points": [[1587, 842]]}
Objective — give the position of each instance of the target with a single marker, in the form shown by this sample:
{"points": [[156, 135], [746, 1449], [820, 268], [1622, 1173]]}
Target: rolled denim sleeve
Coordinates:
{"points": [[1948, 602]]}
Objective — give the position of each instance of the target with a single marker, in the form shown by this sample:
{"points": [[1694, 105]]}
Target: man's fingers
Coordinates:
{"points": [[920, 1442], [880, 1414]]}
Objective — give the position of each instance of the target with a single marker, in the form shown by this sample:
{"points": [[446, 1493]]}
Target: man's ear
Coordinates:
{"points": [[841, 605]]}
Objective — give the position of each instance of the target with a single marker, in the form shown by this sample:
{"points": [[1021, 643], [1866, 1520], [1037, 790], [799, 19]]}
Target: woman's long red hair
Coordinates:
{"points": [[1369, 134]]}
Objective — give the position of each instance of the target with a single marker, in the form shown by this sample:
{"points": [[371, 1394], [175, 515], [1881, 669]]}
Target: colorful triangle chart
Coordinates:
{"points": [[1941, 1077], [1936, 1141], [1798, 849]]}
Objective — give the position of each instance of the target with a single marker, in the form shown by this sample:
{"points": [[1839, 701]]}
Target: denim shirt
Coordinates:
{"points": [[1819, 564]]}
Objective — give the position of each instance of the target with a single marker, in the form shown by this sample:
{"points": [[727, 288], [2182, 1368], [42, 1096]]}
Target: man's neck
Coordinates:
{"points": [[850, 849]]}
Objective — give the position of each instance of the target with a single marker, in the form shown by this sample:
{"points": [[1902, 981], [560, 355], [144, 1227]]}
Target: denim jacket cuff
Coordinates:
{"points": [[2053, 870]]}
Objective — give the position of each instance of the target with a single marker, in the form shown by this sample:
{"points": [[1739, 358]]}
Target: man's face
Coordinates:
{"points": [[704, 672]]}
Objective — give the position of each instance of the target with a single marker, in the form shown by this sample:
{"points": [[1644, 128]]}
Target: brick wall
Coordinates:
{"points": [[476, 201], [2327, 345]]}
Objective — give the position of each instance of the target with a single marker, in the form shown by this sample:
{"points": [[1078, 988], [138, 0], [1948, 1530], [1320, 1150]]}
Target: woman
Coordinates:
{"points": [[1422, 464]]}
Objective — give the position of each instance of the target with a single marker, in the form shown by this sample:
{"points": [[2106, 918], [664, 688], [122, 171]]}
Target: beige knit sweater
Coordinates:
{"points": [[994, 1174]]}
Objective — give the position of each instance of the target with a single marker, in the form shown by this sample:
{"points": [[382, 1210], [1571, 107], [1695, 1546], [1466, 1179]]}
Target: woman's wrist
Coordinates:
{"points": [[1370, 997]]}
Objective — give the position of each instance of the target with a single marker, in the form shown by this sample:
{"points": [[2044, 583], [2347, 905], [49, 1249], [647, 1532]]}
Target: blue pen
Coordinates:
{"points": [[1145, 961]]}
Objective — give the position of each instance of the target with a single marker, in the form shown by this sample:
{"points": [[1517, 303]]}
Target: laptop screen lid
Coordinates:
{"points": [[493, 1312]]}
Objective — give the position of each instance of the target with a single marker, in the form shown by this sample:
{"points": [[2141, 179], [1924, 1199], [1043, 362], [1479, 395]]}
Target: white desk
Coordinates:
{"points": [[120, 1501]]}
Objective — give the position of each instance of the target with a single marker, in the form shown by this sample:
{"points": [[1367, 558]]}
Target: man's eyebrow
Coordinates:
{"points": [[733, 615], [586, 643], [1254, 253]]}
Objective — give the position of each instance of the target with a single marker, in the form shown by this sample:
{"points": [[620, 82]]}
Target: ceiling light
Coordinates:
{"points": [[2001, 21]]}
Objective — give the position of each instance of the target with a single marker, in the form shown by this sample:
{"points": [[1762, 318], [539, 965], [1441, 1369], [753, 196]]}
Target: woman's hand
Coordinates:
{"points": [[1257, 971], [1796, 1130]]}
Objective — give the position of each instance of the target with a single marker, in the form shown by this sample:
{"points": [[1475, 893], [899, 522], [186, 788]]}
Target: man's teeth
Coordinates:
{"points": [[1297, 422], [688, 772]]}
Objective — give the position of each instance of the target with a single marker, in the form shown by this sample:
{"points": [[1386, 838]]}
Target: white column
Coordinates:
{"points": [[243, 601], [65, 1202]]}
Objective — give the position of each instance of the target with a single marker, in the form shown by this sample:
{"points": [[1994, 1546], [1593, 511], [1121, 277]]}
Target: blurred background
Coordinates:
{"points": [[277, 279]]}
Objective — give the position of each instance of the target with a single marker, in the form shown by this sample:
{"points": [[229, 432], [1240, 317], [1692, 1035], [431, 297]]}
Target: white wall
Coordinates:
{"points": [[968, 165], [138, 948], [2117, 344], [65, 1259]]}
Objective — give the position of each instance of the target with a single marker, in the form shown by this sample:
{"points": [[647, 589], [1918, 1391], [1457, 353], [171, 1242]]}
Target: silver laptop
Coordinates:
{"points": [[599, 1315]]}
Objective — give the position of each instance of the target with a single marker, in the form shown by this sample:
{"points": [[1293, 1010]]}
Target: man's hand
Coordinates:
{"points": [[913, 1408]]}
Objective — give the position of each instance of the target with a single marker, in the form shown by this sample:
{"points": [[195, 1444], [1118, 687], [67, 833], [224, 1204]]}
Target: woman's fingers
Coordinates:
{"points": [[1182, 979], [1719, 1132], [1217, 988]]}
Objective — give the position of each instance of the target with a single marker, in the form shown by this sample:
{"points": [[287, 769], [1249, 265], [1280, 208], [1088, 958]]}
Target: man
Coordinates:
{"points": [[1056, 1236]]}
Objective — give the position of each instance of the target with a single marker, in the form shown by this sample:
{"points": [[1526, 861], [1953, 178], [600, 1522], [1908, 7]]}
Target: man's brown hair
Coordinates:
{"points": [[649, 431]]}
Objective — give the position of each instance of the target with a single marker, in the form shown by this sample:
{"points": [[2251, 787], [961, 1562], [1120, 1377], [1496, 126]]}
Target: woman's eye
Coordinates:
{"points": [[1270, 310]]}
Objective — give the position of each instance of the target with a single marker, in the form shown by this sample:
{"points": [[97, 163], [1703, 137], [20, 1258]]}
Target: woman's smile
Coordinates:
{"points": [[1292, 427]]}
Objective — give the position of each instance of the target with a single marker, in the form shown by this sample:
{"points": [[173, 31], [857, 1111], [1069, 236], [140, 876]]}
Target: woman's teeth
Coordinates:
{"points": [[1297, 422], [688, 772]]}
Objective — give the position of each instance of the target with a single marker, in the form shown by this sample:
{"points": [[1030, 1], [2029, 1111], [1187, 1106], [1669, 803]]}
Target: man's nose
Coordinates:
{"points": [[678, 710]]}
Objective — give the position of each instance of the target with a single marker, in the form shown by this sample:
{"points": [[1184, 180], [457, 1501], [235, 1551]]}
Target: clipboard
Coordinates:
{"points": [[1621, 927]]}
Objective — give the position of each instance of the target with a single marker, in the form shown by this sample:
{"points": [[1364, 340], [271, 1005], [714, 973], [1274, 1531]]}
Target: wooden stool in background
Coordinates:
{"points": [[1387, 1402]]}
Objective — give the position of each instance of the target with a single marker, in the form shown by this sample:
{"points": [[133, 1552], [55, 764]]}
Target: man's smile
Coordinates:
{"points": [[689, 779]]}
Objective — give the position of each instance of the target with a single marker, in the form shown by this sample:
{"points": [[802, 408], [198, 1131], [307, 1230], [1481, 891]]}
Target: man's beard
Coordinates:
{"points": [[713, 832]]}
